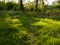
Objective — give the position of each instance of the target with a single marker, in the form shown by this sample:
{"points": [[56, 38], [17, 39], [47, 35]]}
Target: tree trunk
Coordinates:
{"points": [[21, 5], [36, 6]]}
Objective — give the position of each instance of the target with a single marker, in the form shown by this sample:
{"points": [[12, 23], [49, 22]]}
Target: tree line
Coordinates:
{"points": [[37, 5]]}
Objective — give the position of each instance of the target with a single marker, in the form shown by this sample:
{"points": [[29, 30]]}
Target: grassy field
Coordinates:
{"points": [[29, 28]]}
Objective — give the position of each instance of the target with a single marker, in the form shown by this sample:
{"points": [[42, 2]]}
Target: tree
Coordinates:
{"points": [[21, 5], [9, 5], [57, 4], [58, 1], [2, 5], [37, 2], [42, 4], [36, 6]]}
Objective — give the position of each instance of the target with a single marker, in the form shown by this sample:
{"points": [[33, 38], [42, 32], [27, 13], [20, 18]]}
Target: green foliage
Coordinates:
{"points": [[54, 41], [57, 6], [2, 5], [41, 6], [29, 28], [10, 5], [24, 28], [29, 6]]}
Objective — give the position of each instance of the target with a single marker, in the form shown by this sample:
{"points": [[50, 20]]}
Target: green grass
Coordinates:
{"points": [[26, 28]]}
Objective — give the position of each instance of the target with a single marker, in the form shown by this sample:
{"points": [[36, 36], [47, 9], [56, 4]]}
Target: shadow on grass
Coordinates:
{"points": [[27, 20]]}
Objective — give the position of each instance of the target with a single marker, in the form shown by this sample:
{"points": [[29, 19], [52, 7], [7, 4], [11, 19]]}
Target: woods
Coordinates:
{"points": [[29, 22], [37, 5]]}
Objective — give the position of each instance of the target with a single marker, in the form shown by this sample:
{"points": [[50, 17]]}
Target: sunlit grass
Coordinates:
{"points": [[46, 30], [46, 22]]}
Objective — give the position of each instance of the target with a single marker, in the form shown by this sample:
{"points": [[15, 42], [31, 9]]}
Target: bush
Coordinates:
{"points": [[10, 5]]}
